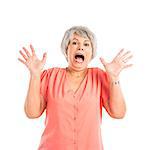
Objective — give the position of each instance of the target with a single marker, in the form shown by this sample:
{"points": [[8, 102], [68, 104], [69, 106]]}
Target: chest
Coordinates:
{"points": [[64, 88], [74, 84]]}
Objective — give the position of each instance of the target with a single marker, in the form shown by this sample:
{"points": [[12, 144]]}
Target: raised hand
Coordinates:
{"points": [[117, 64], [34, 65]]}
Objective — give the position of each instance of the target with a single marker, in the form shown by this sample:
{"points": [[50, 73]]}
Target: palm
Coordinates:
{"points": [[34, 64], [113, 68], [31, 61], [117, 64]]}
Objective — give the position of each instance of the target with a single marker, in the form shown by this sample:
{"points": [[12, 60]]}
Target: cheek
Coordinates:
{"points": [[89, 58], [71, 49], [70, 54], [89, 55]]}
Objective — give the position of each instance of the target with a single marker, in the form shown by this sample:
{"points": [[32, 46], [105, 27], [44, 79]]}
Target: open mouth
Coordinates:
{"points": [[79, 58]]}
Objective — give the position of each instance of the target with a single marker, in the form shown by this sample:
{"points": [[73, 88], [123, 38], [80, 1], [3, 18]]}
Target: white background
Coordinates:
{"points": [[117, 24]]}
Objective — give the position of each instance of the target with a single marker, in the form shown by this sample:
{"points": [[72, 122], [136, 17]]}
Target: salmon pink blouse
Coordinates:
{"points": [[73, 119]]}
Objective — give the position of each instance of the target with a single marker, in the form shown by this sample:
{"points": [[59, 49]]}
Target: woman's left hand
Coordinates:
{"points": [[117, 64]]}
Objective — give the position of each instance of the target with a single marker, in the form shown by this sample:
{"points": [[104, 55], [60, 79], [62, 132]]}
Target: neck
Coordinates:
{"points": [[77, 73]]}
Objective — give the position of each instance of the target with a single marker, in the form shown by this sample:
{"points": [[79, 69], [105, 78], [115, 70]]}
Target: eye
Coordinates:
{"points": [[86, 44], [74, 43]]}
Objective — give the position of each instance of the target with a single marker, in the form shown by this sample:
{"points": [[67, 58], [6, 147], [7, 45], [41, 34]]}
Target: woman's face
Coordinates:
{"points": [[79, 52]]}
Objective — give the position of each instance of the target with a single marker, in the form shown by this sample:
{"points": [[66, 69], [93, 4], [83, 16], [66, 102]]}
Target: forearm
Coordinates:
{"points": [[116, 102], [32, 102]]}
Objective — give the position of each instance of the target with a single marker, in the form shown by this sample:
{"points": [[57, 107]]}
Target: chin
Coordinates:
{"points": [[78, 68]]}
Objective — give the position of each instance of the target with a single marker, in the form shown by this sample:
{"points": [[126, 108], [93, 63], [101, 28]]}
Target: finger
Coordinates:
{"points": [[32, 49], [127, 66], [26, 51], [24, 56], [119, 54], [126, 54], [44, 58], [22, 61], [127, 59], [103, 61]]}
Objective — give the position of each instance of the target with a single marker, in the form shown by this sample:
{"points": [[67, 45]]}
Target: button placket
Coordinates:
{"points": [[75, 122]]}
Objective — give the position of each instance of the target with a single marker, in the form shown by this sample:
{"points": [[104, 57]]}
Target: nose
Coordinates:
{"points": [[80, 49]]}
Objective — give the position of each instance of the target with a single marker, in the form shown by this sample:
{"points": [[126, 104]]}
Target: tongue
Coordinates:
{"points": [[79, 60]]}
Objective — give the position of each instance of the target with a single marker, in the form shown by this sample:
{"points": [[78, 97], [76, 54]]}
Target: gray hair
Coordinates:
{"points": [[81, 31]]}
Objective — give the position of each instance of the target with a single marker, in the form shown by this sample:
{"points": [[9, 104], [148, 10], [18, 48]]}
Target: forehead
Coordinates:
{"points": [[79, 37]]}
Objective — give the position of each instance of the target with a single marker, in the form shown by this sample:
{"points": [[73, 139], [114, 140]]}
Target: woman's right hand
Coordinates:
{"points": [[34, 65]]}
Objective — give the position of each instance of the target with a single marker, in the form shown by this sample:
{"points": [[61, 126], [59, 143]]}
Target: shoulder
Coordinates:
{"points": [[97, 70], [52, 71], [98, 73]]}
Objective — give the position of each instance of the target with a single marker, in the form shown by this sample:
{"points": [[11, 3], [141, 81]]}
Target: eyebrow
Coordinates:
{"points": [[78, 40], [87, 40]]}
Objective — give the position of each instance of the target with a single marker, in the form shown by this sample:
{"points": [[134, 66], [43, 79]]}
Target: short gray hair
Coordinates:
{"points": [[81, 31]]}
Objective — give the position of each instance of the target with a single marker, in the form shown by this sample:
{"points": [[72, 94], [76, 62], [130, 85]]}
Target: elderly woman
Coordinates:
{"points": [[73, 97]]}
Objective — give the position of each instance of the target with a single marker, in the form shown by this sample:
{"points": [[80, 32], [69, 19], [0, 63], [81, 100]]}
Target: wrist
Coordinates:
{"points": [[37, 75], [117, 82], [114, 80]]}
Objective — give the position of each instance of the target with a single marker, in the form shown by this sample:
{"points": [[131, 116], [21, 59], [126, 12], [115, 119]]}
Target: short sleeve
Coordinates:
{"points": [[105, 92], [44, 80]]}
